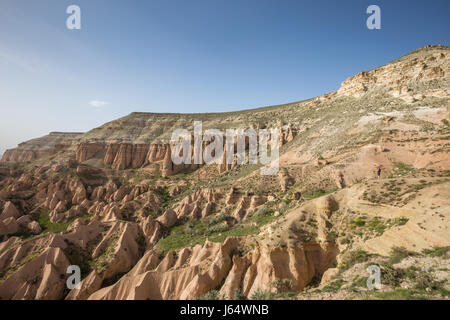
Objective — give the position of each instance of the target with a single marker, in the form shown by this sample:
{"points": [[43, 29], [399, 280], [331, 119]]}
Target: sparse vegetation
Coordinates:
{"points": [[261, 295], [437, 251], [211, 295], [398, 254], [48, 226], [353, 258], [333, 286]]}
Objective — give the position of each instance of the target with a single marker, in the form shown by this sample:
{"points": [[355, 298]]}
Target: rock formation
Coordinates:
{"points": [[362, 170]]}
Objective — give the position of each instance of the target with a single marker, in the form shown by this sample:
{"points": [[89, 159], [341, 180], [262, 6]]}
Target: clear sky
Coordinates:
{"points": [[189, 55]]}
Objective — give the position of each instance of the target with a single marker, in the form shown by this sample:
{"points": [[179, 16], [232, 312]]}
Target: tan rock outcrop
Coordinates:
{"points": [[9, 210], [42, 277], [329, 275], [199, 277], [447, 114], [168, 218], [86, 151]]}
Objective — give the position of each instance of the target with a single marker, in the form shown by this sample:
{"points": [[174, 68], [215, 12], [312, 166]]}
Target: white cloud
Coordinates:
{"points": [[98, 104]]}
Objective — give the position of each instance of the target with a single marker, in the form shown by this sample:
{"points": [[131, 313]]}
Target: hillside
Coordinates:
{"points": [[364, 178]]}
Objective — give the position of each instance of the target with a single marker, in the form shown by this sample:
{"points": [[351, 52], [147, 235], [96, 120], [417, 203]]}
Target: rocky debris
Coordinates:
{"points": [[34, 227], [287, 134]]}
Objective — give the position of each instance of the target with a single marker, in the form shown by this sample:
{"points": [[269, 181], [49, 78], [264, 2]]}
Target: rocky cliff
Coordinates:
{"points": [[40, 147]]}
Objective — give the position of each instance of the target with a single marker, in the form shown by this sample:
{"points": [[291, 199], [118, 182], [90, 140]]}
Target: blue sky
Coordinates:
{"points": [[189, 56]]}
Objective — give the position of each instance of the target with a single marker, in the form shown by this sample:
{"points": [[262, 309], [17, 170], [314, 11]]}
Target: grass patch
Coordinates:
{"points": [[355, 257], [262, 295], [359, 282], [315, 194], [398, 254], [403, 169], [437, 251], [263, 216], [401, 221], [333, 286], [101, 262], [402, 294], [10, 271], [211, 295], [196, 232], [48, 226]]}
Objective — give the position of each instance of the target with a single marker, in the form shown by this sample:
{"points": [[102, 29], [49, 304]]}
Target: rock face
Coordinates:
{"points": [[36, 148], [394, 74], [48, 267], [200, 269], [86, 151], [19, 155], [448, 111]]}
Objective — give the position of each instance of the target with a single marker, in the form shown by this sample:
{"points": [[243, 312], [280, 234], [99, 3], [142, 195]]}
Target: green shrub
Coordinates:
{"points": [[282, 285], [238, 295], [333, 286], [398, 254], [217, 228], [437, 251], [48, 226], [211, 295], [359, 222], [401, 221], [355, 257], [261, 295]]}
